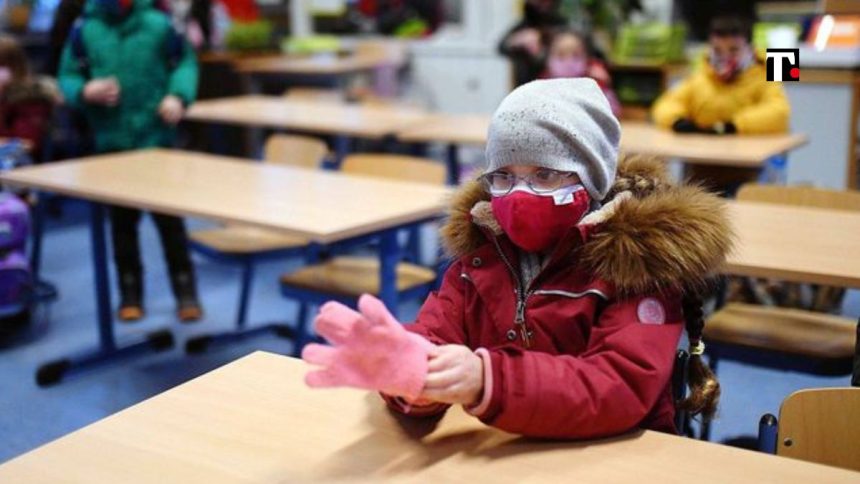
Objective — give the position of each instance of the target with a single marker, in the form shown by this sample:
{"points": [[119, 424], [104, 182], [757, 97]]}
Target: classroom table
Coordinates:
{"points": [[344, 120], [796, 244], [636, 138], [254, 421], [322, 207], [315, 65]]}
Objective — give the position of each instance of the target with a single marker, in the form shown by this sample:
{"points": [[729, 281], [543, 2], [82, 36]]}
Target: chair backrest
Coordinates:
{"points": [[294, 150], [821, 425], [801, 196], [396, 167]]}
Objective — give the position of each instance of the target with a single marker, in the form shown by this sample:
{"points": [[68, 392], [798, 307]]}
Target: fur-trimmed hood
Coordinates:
{"points": [[649, 235]]}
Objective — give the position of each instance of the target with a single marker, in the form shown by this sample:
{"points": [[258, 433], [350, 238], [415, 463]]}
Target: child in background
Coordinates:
{"points": [[730, 93], [524, 43], [562, 311], [26, 102], [571, 55], [124, 70]]}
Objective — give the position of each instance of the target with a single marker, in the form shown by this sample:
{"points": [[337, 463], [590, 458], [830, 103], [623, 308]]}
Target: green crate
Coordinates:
{"points": [[650, 43]]}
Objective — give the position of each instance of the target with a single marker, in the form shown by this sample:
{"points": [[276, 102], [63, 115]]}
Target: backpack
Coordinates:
{"points": [[16, 278], [174, 47]]}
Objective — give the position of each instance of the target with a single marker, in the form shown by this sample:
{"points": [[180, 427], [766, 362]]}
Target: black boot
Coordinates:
{"points": [[130, 296], [185, 290]]}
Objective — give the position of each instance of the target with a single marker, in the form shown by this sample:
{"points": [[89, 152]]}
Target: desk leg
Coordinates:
{"points": [[342, 147], [108, 351], [453, 160], [44, 290], [389, 257]]}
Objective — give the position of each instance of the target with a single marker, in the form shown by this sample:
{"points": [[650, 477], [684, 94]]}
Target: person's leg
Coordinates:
{"points": [[126, 253], [174, 241]]}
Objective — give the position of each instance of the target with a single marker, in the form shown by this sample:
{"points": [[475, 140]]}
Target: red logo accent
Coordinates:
{"points": [[795, 73]]}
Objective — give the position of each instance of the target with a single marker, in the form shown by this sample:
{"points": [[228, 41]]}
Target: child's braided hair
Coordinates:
{"points": [[704, 386]]}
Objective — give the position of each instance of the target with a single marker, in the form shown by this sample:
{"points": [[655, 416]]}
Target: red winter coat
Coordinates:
{"points": [[604, 317], [25, 111]]}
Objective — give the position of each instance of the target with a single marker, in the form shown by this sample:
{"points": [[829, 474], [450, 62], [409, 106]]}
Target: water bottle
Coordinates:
{"points": [[775, 171]]}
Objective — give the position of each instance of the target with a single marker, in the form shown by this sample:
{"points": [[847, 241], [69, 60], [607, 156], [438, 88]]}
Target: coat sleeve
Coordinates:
{"points": [[673, 105], [71, 78], [769, 115], [440, 321], [183, 79], [607, 390]]}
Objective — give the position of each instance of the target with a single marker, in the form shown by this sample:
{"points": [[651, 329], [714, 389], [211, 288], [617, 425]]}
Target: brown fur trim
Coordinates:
{"points": [[674, 239], [657, 237], [459, 235]]}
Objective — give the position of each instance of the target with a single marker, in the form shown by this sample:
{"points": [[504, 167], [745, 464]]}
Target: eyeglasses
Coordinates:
{"points": [[501, 183]]}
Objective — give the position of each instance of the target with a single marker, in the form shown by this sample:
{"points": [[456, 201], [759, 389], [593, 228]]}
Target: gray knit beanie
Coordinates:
{"points": [[562, 124]]}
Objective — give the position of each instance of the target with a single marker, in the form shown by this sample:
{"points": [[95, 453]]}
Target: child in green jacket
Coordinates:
{"points": [[134, 77]]}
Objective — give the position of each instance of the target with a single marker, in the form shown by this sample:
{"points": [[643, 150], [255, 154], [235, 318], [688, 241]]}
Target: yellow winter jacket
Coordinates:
{"points": [[754, 105]]}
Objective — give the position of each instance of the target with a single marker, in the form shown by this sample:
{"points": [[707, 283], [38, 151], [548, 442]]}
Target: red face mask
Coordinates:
{"points": [[537, 222]]}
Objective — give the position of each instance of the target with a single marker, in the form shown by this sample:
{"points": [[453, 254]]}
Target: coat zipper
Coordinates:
{"points": [[522, 299]]}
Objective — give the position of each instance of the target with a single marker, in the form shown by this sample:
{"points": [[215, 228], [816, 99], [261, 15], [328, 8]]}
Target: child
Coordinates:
{"points": [[562, 311], [730, 93], [26, 102], [124, 70], [570, 56], [524, 45]]}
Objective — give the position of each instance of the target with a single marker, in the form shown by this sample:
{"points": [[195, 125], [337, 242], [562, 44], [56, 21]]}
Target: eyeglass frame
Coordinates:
{"points": [[485, 181]]}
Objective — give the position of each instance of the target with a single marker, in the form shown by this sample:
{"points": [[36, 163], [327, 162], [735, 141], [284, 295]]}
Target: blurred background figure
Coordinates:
{"points": [[26, 100], [525, 43], [571, 54]]}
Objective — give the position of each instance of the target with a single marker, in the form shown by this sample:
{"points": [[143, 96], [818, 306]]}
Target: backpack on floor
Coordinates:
{"points": [[16, 278]]}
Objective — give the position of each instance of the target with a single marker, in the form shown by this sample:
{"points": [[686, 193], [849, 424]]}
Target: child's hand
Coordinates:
{"points": [[455, 375], [105, 92], [171, 109]]}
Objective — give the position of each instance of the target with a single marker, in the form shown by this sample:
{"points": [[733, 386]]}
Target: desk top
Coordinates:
{"points": [[637, 137], [796, 244], [362, 120], [448, 128], [254, 420], [321, 206], [741, 151], [315, 64]]}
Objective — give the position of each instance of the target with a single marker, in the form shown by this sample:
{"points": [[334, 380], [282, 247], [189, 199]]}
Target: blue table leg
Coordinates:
{"points": [[389, 257], [45, 291], [108, 351], [453, 161], [342, 147]]}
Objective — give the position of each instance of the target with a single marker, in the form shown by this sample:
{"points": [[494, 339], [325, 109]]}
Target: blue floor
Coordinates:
{"points": [[31, 416]]}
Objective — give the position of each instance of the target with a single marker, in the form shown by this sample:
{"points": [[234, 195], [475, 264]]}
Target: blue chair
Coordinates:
{"points": [[345, 278], [245, 246]]}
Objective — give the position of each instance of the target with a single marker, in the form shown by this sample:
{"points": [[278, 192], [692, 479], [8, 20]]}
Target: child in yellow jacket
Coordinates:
{"points": [[729, 93]]}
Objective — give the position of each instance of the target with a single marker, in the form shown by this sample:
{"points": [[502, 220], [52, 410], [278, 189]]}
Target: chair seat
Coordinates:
{"points": [[794, 331], [354, 276], [243, 239]]}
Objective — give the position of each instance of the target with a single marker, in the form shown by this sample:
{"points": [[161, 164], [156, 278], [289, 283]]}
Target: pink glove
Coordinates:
{"points": [[370, 350]]}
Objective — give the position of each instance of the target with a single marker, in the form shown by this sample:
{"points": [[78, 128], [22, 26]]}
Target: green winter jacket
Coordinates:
{"points": [[134, 49]]}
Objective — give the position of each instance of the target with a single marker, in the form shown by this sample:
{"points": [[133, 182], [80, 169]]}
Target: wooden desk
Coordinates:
{"points": [[316, 65], [448, 128], [324, 207], [795, 244], [254, 421], [360, 120], [738, 151]]}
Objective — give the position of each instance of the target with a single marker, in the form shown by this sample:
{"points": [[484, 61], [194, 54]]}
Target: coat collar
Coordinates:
{"points": [[649, 235]]}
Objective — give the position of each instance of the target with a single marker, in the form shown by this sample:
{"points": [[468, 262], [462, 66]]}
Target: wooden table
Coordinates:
{"points": [[323, 207], [636, 138], [341, 119], [316, 65], [737, 151], [254, 421], [795, 244]]}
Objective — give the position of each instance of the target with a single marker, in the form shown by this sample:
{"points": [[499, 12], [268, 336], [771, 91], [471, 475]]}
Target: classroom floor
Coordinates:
{"points": [[30, 416]]}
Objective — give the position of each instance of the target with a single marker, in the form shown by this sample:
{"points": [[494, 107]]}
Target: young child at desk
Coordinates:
{"points": [[562, 311], [571, 55], [133, 77], [728, 94]]}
